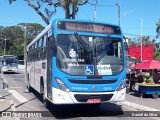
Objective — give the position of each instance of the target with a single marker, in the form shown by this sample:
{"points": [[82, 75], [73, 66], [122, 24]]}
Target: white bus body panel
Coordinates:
{"points": [[35, 71], [62, 97]]}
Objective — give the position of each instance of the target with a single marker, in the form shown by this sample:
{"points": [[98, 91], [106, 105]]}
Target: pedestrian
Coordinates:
{"points": [[156, 76], [140, 77]]}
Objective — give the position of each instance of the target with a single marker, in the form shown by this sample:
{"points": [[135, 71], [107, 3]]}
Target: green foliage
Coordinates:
{"points": [[46, 8], [157, 55], [146, 40], [158, 29], [15, 37]]}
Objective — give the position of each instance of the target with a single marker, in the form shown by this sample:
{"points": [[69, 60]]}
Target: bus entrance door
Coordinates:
{"points": [[49, 67]]}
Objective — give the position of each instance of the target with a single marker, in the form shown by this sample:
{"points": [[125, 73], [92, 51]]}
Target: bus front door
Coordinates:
{"points": [[49, 67]]}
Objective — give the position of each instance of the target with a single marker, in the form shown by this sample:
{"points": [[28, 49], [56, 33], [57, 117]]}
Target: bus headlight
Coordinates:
{"points": [[61, 85], [14, 67], [4, 67], [122, 85]]}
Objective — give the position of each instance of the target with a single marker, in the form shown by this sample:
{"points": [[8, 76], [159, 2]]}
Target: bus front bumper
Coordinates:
{"points": [[9, 70], [62, 97]]}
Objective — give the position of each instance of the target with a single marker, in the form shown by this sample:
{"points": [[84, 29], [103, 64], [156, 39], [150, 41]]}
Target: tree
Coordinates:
{"points": [[158, 29], [32, 30], [146, 40], [15, 36], [70, 7]]}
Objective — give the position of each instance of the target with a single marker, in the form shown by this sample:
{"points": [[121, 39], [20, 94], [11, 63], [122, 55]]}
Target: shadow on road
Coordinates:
{"points": [[85, 110], [82, 110], [136, 94], [12, 73]]}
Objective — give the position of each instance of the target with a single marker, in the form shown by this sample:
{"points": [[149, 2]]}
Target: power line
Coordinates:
{"points": [[138, 35], [138, 28], [101, 5]]}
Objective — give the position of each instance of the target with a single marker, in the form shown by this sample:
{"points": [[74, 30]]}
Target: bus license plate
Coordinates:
{"points": [[93, 101]]}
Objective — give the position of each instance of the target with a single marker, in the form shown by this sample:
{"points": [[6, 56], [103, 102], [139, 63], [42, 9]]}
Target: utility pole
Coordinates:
{"points": [[118, 12], [141, 38], [95, 9], [118, 5], [25, 56], [4, 50]]}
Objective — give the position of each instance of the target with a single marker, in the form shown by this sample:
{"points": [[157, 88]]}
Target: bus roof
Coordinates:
{"points": [[81, 20], [69, 20]]}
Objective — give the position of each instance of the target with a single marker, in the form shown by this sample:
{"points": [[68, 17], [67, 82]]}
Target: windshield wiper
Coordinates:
{"points": [[82, 43], [103, 43]]}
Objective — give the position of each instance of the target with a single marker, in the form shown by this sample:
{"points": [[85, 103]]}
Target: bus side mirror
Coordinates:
{"points": [[126, 46]]}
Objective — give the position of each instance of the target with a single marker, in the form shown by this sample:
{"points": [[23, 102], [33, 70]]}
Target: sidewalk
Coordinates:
{"points": [[4, 104], [146, 104]]}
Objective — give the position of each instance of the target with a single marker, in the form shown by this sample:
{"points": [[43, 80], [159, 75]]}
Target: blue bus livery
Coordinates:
{"points": [[76, 61]]}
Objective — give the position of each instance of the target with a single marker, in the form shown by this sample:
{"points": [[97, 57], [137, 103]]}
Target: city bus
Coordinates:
{"points": [[77, 62], [8, 63]]}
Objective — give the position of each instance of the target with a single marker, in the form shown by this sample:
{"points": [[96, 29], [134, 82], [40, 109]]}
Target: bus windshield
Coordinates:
{"points": [[77, 53], [10, 60]]}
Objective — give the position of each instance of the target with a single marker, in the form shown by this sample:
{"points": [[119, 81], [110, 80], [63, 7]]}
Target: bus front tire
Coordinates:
{"points": [[28, 85], [45, 101]]}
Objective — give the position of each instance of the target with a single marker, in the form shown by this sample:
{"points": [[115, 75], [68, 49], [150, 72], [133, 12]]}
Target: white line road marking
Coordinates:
{"points": [[18, 96], [15, 87], [13, 109], [138, 106]]}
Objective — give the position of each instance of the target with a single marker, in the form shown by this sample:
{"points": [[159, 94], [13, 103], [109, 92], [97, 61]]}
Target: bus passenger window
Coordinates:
{"points": [[35, 45], [44, 41], [40, 43]]}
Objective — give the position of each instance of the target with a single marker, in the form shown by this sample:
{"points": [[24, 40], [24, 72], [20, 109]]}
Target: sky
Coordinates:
{"points": [[131, 11]]}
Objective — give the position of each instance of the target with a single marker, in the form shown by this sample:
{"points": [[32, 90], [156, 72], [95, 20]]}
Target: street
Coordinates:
{"points": [[23, 100]]}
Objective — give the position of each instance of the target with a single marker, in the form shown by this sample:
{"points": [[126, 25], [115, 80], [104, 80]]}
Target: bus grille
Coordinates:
{"points": [[92, 81], [84, 98]]}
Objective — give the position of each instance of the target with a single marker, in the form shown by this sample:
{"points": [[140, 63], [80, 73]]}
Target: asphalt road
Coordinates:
{"points": [[26, 101]]}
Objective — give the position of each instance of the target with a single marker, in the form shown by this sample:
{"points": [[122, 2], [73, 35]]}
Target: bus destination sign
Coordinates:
{"points": [[88, 27]]}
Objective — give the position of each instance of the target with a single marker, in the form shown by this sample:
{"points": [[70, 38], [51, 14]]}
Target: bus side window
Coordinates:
{"points": [[36, 51], [43, 47], [44, 41], [35, 45], [40, 43], [31, 53]]}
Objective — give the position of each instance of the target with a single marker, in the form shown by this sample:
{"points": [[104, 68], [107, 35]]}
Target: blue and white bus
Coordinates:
{"points": [[76, 61], [8, 63]]}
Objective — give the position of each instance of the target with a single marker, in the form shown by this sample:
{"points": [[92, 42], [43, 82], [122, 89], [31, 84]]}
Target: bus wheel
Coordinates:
{"points": [[28, 85], [45, 101]]}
